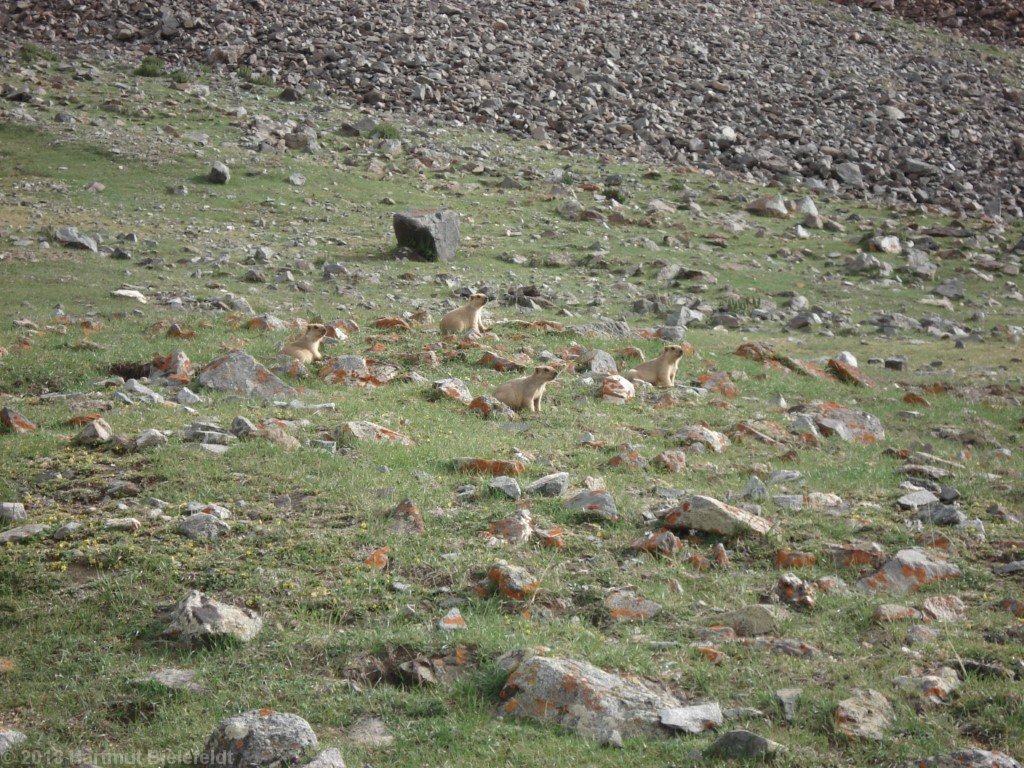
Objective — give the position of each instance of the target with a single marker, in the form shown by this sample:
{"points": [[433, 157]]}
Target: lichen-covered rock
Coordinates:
{"points": [[198, 618], [354, 371], [96, 432], [698, 435], [490, 407], [617, 389], [908, 571], [240, 374], [743, 745], [512, 581], [627, 605], [366, 431], [584, 699], [456, 389], [845, 423], [13, 421], [662, 542], [594, 505], [496, 467], [754, 620], [260, 738], [865, 715]]}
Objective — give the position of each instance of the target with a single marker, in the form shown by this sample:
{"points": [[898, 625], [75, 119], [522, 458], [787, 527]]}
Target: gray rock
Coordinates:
{"points": [[369, 732], [329, 758], [240, 374], [788, 699], [965, 758], [150, 438], [549, 485], [67, 531], [197, 619], [72, 238], [865, 715], [703, 513], [173, 678], [9, 739], [743, 745], [21, 533], [594, 505], [203, 525], [260, 738], [507, 485], [95, 432], [754, 620], [585, 699], [11, 512], [432, 235], [219, 173], [693, 719]]}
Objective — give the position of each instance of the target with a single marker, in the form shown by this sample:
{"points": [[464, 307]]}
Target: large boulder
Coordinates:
{"points": [[241, 374], [260, 737], [585, 699], [432, 235], [910, 570], [703, 513]]}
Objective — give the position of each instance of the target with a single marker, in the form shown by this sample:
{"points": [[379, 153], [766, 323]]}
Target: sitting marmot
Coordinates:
{"points": [[465, 318], [306, 348], [525, 393], [661, 371]]}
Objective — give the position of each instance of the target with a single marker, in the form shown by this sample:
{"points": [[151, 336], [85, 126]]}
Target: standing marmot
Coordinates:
{"points": [[525, 393], [306, 348], [466, 317], [661, 371]]}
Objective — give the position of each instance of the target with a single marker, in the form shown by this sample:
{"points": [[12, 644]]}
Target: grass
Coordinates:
{"points": [[80, 619]]}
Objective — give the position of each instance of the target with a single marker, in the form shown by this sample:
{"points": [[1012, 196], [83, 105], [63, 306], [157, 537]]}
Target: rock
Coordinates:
{"points": [[490, 407], [369, 733], [549, 485], [202, 525], [774, 206], [698, 435], [432, 235], [260, 738], [663, 542], [452, 621], [406, 519], [754, 620], [788, 698], [197, 619], [598, 361], [671, 461], [743, 745], [887, 613], [9, 739], [71, 238], [366, 431], [13, 421], [865, 715], [627, 605], [507, 486], [932, 688], [617, 389], [511, 581], [908, 571], [594, 505], [329, 758], [584, 699], [693, 719], [944, 608], [846, 423], [219, 173], [173, 679], [495, 467], [150, 438], [916, 500], [354, 371], [703, 513], [11, 512], [96, 432], [240, 374], [456, 389], [965, 758]]}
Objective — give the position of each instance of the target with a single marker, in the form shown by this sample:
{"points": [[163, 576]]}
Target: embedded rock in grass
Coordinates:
{"points": [[406, 519], [240, 374], [354, 371], [431, 235], [846, 423], [865, 715], [96, 432], [616, 389], [15, 535], [585, 699], [70, 237], [933, 688], [369, 732], [671, 460], [173, 679], [366, 431], [175, 367], [329, 758], [456, 389], [13, 421], [511, 581], [850, 374], [694, 435], [202, 525], [507, 486], [9, 739], [495, 467], [743, 745], [754, 620], [703, 513], [260, 738], [627, 605], [150, 438], [219, 173], [944, 608], [549, 485], [11, 511], [965, 758], [697, 718], [908, 571], [198, 618], [490, 407], [594, 505], [662, 542]]}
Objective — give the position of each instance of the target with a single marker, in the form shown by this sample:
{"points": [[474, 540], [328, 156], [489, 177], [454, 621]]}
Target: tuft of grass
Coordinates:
{"points": [[385, 130], [29, 53], [150, 66], [180, 76]]}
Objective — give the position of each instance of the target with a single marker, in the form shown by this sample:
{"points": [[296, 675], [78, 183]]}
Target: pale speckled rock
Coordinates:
{"points": [[965, 758], [260, 738], [865, 715], [703, 513], [240, 374], [198, 618]]}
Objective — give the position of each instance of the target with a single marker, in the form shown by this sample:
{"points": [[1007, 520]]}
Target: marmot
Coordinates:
{"points": [[525, 393], [661, 371], [306, 348], [466, 317]]}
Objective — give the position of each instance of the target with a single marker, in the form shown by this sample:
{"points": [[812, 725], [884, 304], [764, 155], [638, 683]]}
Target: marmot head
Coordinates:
{"points": [[673, 352], [545, 372], [315, 331], [478, 299]]}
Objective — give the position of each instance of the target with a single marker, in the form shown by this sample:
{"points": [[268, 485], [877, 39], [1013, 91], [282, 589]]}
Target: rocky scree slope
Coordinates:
{"points": [[838, 98]]}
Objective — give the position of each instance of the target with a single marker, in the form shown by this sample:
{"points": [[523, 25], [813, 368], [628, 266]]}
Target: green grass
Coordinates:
{"points": [[80, 621]]}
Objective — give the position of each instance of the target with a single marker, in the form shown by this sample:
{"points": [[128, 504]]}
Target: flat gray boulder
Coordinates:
{"points": [[241, 374]]}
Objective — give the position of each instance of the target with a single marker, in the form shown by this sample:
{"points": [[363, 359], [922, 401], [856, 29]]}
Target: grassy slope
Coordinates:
{"points": [[79, 619]]}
